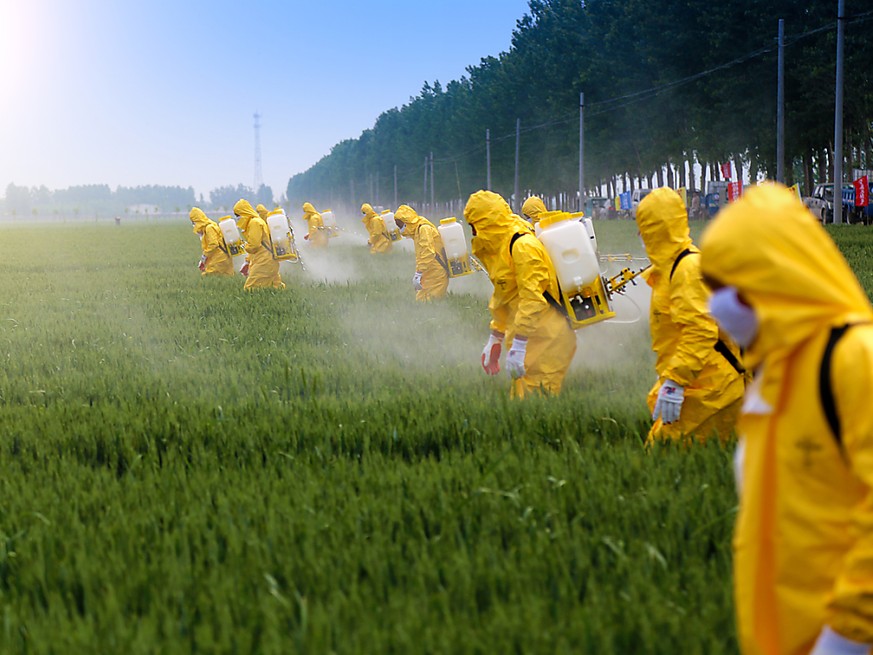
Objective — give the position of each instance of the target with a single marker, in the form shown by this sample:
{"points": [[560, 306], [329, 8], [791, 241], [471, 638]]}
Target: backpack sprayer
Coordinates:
{"points": [[330, 225], [586, 294], [232, 238], [392, 230], [282, 244]]}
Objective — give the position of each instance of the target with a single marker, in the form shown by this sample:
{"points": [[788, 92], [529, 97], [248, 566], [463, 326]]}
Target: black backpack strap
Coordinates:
{"points": [[682, 255], [442, 262], [515, 237], [722, 349], [825, 389]]}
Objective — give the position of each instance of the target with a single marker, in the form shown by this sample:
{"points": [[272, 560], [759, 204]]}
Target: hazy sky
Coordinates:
{"points": [[136, 92]]}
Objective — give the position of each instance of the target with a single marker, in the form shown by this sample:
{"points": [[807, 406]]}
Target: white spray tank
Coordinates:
{"points": [[589, 227], [281, 237], [391, 227], [577, 266], [455, 247], [232, 237], [329, 221]]}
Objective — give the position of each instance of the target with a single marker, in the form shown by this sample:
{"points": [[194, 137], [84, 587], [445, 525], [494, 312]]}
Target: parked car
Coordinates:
{"points": [[596, 206], [821, 202]]}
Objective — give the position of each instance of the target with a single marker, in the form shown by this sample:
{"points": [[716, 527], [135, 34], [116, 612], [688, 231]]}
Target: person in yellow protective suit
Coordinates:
{"points": [[533, 208], [379, 241], [215, 259], [431, 278], [317, 235], [263, 212], [803, 542], [701, 379], [525, 302], [700, 373], [263, 271]]}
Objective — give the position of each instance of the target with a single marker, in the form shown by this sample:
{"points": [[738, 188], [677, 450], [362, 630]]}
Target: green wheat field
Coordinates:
{"points": [[187, 468]]}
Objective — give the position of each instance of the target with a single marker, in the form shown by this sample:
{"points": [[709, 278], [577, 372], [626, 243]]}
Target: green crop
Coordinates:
{"points": [[190, 468]]}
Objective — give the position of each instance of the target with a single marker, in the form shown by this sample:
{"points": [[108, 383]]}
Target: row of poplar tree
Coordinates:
{"points": [[666, 84]]}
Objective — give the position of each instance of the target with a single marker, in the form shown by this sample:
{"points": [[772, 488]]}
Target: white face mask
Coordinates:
{"points": [[733, 316]]}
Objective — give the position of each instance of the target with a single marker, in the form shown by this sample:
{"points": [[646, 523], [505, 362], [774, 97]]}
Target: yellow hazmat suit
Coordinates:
{"points": [[685, 337], [379, 241], [533, 208], [803, 543], [317, 235], [430, 258], [262, 212], [216, 260], [518, 305], [263, 269]]}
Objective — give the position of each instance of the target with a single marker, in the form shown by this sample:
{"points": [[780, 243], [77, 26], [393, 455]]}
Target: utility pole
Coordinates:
{"points": [[581, 151], [431, 184], [780, 106], [515, 199], [838, 117], [424, 194], [488, 159], [258, 178]]}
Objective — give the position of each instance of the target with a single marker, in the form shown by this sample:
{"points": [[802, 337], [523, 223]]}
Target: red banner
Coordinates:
{"points": [[726, 170], [862, 192], [735, 190]]}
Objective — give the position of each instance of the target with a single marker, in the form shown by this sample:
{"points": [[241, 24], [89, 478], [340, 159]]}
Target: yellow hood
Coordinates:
{"points": [[772, 250], [244, 211], [533, 207], [663, 224], [308, 208], [262, 211], [493, 223], [367, 211], [199, 219], [412, 221]]}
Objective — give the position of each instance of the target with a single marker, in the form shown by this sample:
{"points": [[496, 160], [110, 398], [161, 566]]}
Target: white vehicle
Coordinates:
{"points": [[636, 196]]}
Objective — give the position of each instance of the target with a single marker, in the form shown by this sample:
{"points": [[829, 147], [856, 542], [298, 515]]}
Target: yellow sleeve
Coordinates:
{"points": [[850, 610], [426, 252], [689, 314], [212, 240], [499, 308], [254, 236], [533, 277]]}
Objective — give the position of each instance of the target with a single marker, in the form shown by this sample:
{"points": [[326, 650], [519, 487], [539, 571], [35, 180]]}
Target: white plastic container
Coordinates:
{"points": [[455, 247], [232, 237], [391, 226], [330, 225], [571, 251], [280, 237]]}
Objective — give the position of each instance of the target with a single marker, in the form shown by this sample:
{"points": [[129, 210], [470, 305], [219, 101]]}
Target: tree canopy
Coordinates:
{"points": [[666, 84]]}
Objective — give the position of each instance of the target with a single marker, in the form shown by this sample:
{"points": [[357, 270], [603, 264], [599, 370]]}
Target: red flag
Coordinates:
{"points": [[862, 195], [735, 190], [726, 170]]}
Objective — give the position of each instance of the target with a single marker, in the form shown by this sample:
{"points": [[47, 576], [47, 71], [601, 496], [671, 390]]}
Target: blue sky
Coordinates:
{"points": [[136, 92]]}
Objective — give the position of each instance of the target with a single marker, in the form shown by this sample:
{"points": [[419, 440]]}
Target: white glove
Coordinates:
{"points": [[669, 403], [515, 358], [831, 643], [416, 281]]}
